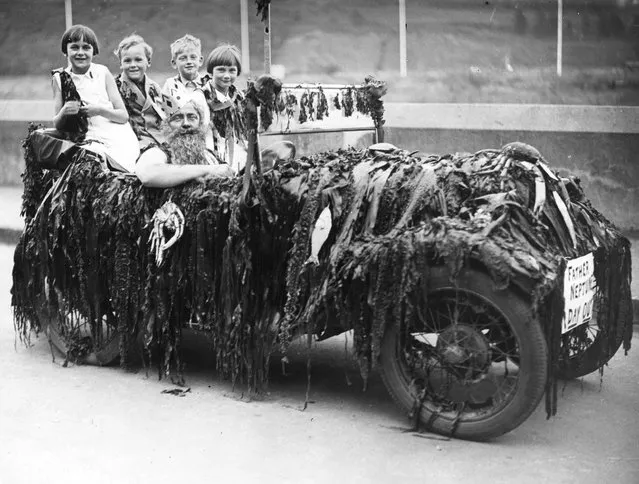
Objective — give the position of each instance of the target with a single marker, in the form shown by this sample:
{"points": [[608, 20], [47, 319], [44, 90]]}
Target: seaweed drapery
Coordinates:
{"points": [[267, 93], [313, 104], [243, 272], [262, 9], [227, 117], [75, 125], [36, 181]]}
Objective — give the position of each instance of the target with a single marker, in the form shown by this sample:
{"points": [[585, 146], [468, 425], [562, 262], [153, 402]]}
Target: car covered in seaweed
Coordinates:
{"points": [[472, 282]]}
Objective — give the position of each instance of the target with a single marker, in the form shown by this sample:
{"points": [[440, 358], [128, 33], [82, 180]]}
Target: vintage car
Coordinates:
{"points": [[472, 282]]}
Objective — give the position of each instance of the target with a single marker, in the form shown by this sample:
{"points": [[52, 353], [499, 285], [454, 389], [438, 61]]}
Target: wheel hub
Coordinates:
{"points": [[464, 348]]}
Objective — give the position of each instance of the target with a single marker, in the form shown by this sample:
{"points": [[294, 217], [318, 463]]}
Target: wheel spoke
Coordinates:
{"points": [[452, 350]]}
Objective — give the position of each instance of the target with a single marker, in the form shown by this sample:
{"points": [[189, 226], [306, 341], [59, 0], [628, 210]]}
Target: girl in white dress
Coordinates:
{"points": [[87, 101]]}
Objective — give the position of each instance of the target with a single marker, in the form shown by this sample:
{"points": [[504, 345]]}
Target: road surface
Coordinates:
{"points": [[105, 425]]}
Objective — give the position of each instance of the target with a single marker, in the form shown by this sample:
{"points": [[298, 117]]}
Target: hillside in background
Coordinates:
{"points": [[458, 51]]}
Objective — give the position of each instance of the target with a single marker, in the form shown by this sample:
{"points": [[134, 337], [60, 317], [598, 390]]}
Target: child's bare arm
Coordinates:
{"points": [[118, 113]]}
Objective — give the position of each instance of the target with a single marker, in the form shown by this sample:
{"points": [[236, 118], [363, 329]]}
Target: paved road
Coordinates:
{"points": [[104, 425]]}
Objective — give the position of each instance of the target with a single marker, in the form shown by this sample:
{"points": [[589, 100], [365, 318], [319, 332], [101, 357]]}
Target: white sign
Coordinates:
{"points": [[579, 292]]}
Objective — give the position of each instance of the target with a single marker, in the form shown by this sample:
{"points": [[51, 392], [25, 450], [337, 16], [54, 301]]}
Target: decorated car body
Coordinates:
{"points": [[472, 281]]}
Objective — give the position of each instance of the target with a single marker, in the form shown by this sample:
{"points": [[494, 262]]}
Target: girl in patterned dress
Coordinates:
{"points": [[225, 102], [87, 101]]}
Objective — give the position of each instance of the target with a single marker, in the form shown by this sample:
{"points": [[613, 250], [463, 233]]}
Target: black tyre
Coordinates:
{"points": [[473, 361], [70, 333]]}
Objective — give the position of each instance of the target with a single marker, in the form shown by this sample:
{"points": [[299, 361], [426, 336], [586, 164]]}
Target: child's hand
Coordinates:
{"points": [[70, 108], [91, 110]]}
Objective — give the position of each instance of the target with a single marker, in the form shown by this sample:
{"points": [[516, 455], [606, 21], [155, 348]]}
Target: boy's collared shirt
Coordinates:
{"points": [[179, 88], [144, 107], [143, 100], [192, 85]]}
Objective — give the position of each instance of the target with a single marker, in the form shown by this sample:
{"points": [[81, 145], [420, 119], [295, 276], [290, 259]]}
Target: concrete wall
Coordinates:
{"points": [[600, 144]]}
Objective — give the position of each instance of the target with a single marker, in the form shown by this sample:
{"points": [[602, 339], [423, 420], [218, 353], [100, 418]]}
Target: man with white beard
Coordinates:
{"points": [[184, 156]]}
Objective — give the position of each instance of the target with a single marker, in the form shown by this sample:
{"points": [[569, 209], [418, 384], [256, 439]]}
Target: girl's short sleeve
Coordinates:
{"points": [[55, 77]]}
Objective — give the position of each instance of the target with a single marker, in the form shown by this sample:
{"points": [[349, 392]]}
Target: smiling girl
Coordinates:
{"points": [[142, 96], [224, 64], [87, 101]]}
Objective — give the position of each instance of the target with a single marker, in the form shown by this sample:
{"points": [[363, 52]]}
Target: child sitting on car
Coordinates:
{"points": [[88, 105], [225, 104], [186, 59], [141, 95]]}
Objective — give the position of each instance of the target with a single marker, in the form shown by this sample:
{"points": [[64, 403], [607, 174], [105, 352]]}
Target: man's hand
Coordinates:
{"points": [[92, 110], [216, 171], [221, 170]]}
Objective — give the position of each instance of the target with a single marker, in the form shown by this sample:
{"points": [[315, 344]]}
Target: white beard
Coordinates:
{"points": [[187, 148]]}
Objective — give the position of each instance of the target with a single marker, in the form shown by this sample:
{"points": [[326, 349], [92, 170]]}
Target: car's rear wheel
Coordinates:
{"points": [[71, 333], [472, 362]]}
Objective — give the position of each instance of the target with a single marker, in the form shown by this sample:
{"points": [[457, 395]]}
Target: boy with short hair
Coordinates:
{"points": [[141, 95], [186, 58]]}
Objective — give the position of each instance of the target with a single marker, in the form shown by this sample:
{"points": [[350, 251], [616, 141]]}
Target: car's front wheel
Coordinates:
{"points": [[471, 363]]}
